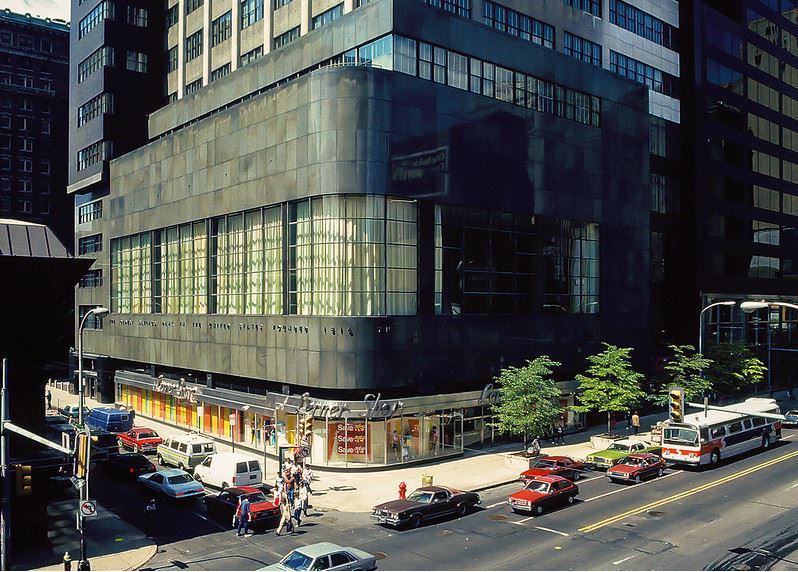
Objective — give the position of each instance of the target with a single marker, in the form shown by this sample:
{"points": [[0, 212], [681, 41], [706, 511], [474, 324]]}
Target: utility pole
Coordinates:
{"points": [[4, 525]]}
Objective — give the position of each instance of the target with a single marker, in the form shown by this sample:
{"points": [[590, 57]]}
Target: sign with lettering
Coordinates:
{"points": [[177, 389], [347, 441]]}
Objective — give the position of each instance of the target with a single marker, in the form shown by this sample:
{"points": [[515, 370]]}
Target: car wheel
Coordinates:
{"points": [[637, 479], [136, 449], [571, 499], [462, 509], [660, 472], [197, 478], [415, 521], [537, 510], [714, 457]]}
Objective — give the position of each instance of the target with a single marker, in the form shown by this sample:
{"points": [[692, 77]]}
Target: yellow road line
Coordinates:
{"points": [[678, 496]]}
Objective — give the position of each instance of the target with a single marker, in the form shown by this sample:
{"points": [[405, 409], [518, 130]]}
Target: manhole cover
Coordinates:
{"points": [[498, 517], [655, 513], [445, 533], [380, 555]]}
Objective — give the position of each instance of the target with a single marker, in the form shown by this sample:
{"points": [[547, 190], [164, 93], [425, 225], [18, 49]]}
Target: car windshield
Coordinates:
{"points": [[420, 497], [179, 479], [296, 561], [257, 497], [680, 436], [544, 464], [618, 447], [631, 461], [792, 413], [147, 435], [538, 487]]}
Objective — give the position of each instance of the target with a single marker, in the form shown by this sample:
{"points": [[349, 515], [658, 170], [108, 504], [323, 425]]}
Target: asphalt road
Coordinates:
{"points": [[739, 516]]}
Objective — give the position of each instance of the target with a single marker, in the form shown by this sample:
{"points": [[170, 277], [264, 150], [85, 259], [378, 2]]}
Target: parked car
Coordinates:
{"points": [[140, 440], [543, 493], [223, 506], [185, 451], [129, 465], [621, 448], [325, 556], [173, 483], [791, 418], [109, 419], [637, 467], [71, 411], [423, 504], [222, 470], [556, 465], [103, 444]]}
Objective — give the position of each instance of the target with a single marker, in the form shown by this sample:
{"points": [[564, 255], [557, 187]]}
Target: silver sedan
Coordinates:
{"points": [[325, 556]]}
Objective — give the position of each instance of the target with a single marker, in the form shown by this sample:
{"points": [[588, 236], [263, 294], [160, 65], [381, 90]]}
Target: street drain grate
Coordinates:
{"points": [[498, 517], [380, 555], [655, 513]]}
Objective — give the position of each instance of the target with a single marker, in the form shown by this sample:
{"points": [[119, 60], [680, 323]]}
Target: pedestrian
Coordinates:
{"points": [[307, 477], [285, 516], [636, 423], [560, 431], [628, 418], [49, 399], [534, 447], [297, 506], [433, 440], [279, 486], [150, 513], [304, 498], [242, 515], [290, 484], [395, 444]]}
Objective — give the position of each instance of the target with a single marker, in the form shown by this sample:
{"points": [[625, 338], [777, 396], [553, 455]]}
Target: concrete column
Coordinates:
{"points": [[235, 40], [305, 17], [349, 5], [206, 42], [181, 48], [268, 26]]}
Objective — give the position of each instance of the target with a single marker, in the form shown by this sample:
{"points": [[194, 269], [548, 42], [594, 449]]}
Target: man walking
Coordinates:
{"points": [[285, 516], [49, 399], [559, 435], [636, 423], [242, 514], [290, 483], [304, 497]]}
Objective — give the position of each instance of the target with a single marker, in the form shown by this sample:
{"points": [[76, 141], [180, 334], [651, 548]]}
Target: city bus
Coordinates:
{"points": [[705, 438]]}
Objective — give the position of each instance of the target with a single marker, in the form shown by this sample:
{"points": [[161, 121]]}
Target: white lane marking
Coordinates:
{"points": [[494, 505], [522, 521], [622, 560], [628, 488], [792, 487], [580, 481], [552, 531]]}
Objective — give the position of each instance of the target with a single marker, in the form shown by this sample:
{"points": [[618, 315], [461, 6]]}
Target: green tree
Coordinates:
{"points": [[529, 399], [683, 369], [734, 366], [609, 384]]}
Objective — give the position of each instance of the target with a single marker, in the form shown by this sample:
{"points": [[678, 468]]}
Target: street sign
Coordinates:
{"points": [[77, 482], [232, 420], [88, 508], [304, 452]]}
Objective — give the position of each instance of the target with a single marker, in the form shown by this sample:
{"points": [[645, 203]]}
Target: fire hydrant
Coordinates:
{"points": [[402, 490], [67, 561]]}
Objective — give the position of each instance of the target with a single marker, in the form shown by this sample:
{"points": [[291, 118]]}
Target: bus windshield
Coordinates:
{"points": [[680, 436]]}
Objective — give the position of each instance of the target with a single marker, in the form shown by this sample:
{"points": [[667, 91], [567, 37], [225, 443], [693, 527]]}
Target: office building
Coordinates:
{"points": [[359, 223], [33, 132]]}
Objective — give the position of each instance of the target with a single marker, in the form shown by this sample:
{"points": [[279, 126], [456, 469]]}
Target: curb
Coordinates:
{"points": [[493, 486], [153, 550]]}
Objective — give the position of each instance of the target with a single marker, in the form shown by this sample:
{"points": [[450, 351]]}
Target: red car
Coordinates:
{"points": [[223, 506], [558, 466], [543, 493], [637, 467], [140, 440]]}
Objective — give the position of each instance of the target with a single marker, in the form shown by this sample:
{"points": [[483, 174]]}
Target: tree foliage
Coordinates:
{"points": [[734, 366], [609, 384], [529, 401], [683, 369]]}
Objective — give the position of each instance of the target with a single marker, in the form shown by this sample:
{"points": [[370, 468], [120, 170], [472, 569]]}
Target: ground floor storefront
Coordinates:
{"points": [[326, 433]]}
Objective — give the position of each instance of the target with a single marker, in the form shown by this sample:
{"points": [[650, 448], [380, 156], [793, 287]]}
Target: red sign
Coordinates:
{"points": [[347, 440]]}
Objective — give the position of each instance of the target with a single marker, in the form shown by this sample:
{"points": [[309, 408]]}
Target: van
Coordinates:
{"points": [[109, 419], [185, 451], [224, 470]]}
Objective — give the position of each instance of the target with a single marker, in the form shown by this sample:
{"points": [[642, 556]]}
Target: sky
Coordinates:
{"points": [[43, 8]]}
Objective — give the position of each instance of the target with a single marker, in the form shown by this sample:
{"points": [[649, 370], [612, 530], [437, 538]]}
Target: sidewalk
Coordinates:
{"points": [[360, 491]]}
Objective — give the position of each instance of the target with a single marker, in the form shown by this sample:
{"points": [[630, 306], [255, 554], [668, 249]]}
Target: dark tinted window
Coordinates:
{"points": [[339, 559], [254, 466], [735, 427], [759, 421]]}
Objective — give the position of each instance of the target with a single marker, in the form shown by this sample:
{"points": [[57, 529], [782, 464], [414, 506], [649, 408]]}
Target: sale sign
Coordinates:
{"points": [[347, 441]]}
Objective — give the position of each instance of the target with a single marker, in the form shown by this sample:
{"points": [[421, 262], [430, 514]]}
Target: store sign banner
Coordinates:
{"points": [[347, 441], [177, 389]]}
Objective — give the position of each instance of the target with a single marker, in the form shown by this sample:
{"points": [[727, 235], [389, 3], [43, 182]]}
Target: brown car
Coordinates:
{"points": [[424, 504]]}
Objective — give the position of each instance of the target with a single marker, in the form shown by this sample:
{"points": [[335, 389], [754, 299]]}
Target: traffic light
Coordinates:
{"points": [[676, 404], [306, 428], [81, 455], [24, 480]]}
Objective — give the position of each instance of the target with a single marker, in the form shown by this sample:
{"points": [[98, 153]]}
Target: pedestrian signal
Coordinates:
{"points": [[24, 480], [676, 404]]}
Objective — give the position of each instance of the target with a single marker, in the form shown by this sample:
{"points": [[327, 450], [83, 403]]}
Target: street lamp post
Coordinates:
{"points": [[83, 564], [701, 323], [752, 306]]}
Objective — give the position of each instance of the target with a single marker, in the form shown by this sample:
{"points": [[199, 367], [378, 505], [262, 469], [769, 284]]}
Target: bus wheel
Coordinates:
{"points": [[714, 457]]}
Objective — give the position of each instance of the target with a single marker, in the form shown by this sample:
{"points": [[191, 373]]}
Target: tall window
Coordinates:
{"points": [[171, 60], [172, 16], [180, 255], [137, 16], [194, 45], [131, 274], [222, 28], [136, 61], [251, 12]]}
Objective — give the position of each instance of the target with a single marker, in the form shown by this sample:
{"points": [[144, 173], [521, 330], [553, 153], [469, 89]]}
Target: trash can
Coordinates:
{"points": [[426, 480]]}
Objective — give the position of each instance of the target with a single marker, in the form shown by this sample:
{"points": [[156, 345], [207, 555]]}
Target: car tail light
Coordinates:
{"points": [[131, 469], [180, 494], [234, 479]]}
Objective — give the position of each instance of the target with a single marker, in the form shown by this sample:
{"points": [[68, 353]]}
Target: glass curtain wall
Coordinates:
{"points": [[180, 254], [131, 274]]}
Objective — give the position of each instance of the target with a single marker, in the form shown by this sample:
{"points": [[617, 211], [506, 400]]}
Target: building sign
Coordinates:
{"points": [[347, 441], [490, 395], [409, 168], [177, 389]]}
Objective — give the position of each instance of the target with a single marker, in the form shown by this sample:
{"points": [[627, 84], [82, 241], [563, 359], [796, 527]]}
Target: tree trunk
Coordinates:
{"points": [[609, 423], [525, 441]]}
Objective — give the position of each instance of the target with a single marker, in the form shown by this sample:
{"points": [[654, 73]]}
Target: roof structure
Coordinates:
{"points": [[27, 239], [56, 24]]}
